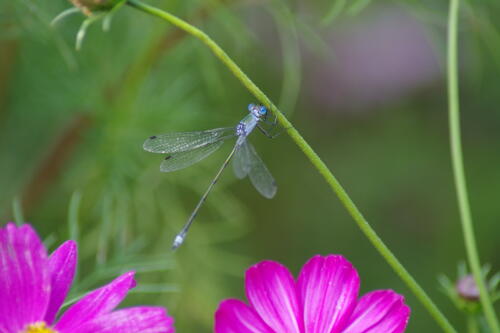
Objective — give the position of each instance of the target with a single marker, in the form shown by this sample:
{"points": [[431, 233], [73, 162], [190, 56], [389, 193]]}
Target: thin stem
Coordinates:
{"points": [[64, 14], [313, 157], [17, 209], [472, 324], [458, 167]]}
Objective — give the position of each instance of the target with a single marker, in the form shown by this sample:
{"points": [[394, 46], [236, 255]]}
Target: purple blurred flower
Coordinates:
{"points": [[33, 287], [322, 300], [467, 288], [378, 58]]}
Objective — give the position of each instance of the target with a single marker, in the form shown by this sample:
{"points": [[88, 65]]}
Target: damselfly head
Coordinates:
{"points": [[262, 111], [258, 111]]}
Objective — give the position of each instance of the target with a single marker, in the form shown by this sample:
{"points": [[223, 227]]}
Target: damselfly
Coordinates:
{"points": [[186, 148]]}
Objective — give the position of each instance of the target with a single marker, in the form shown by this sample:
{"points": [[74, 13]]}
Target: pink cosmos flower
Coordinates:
{"points": [[324, 299], [33, 287]]}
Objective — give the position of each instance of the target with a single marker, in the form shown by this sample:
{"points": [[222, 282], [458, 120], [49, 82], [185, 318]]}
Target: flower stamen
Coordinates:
{"points": [[40, 327]]}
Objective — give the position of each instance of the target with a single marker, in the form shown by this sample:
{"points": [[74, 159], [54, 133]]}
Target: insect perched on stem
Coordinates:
{"points": [[187, 148]]}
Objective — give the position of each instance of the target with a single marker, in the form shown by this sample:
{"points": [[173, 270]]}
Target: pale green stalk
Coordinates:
{"points": [[313, 157], [472, 326], [18, 211], [458, 167]]}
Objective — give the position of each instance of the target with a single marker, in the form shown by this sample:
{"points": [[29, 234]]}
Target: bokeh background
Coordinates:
{"points": [[364, 82]]}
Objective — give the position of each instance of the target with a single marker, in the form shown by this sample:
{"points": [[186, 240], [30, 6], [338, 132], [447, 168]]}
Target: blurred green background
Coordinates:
{"points": [[364, 82]]}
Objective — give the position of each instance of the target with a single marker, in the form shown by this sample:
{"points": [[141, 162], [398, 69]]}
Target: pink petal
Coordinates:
{"points": [[62, 266], [328, 288], [381, 311], [270, 288], [96, 303], [24, 278], [131, 320], [234, 316]]}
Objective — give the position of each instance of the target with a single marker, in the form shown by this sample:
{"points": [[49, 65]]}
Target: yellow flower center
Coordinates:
{"points": [[38, 328]]}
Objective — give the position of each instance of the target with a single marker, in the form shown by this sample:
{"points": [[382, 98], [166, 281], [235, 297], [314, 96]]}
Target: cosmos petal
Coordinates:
{"points": [[328, 288], [62, 266], [131, 320], [380, 311], [270, 288], [96, 303], [234, 316], [24, 278]]}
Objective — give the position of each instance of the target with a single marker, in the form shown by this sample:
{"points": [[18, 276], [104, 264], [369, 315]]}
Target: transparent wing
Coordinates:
{"points": [[184, 141], [242, 161], [259, 174], [183, 159]]}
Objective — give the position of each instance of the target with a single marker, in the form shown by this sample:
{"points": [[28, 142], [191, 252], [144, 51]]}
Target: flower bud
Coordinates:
{"points": [[467, 289], [90, 6]]}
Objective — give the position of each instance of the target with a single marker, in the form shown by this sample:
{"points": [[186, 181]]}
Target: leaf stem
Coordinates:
{"points": [[458, 166], [313, 157]]}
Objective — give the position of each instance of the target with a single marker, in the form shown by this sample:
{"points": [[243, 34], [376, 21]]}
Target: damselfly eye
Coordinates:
{"points": [[262, 111], [251, 106]]}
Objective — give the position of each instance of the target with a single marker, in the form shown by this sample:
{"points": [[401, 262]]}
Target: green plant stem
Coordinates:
{"points": [[458, 167], [17, 209], [313, 157], [472, 324]]}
